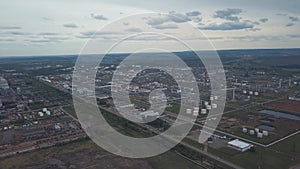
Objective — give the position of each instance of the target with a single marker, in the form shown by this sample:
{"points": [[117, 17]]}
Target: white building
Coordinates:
{"points": [[149, 113], [3, 83], [239, 145]]}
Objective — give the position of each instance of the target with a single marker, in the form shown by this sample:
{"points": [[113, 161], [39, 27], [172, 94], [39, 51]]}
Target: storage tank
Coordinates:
{"points": [[216, 97], [259, 135], [208, 107], [41, 114], [214, 106], [256, 93], [251, 132], [48, 112], [44, 109], [195, 113], [196, 108], [265, 133], [244, 91], [244, 130], [188, 111], [211, 98], [251, 92], [205, 103], [203, 111], [256, 130]]}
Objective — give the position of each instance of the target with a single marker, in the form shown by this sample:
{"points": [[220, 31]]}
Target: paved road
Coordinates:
{"points": [[156, 131], [182, 143]]}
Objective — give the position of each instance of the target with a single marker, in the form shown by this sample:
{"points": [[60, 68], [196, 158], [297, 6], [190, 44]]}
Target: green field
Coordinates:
{"points": [[279, 156]]}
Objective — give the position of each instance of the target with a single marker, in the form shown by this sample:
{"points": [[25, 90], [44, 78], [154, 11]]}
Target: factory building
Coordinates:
{"points": [[239, 145]]}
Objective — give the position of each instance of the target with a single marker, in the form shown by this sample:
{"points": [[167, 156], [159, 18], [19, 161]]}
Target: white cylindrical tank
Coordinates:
{"points": [[259, 135], [205, 103], [256, 130], [251, 132], [244, 130], [203, 111], [256, 93], [208, 107], [44, 109], [214, 106], [216, 97], [244, 91], [265, 133], [48, 112], [41, 114], [196, 108], [195, 113], [188, 111], [211, 98], [251, 92]]}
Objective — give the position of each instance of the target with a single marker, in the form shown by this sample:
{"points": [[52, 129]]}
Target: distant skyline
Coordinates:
{"points": [[56, 27]]}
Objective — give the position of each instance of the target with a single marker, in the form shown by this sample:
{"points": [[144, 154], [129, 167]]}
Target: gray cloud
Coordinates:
{"points": [[264, 20], [289, 24], [166, 26], [98, 17], [9, 27], [254, 29], [173, 17], [291, 18], [47, 39], [133, 29], [197, 19], [58, 38], [47, 19], [281, 14], [7, 40], [102, 34], [294, 35], [38, 41], [18, 33], [178, 17], [246, 24], [193, 13], [47, 34], [89, 33], [215, 38], [70, 25], [294, 19], [150, 38], [256, 38], [228, 14]]}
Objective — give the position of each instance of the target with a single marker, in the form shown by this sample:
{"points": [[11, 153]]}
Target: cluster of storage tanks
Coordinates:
{"points": [[250, 92], [205, 109], [43, 112], [257, 132]]}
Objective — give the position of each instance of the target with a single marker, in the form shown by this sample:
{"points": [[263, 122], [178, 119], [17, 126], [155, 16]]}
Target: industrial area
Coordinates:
{"points": [[261, 115], [32, 116]]}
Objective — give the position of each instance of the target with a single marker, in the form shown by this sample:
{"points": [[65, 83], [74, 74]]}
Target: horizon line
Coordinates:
{"points": [[233, 49]]}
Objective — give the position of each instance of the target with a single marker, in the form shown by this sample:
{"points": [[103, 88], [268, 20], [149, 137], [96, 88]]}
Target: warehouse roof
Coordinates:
{"points": [[238, 143]]}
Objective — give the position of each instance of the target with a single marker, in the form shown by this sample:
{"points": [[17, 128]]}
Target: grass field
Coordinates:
{"points": [[168, 160], [279, 156]]}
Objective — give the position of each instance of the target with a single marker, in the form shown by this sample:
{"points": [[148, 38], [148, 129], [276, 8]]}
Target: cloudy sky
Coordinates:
{"points": [[53, 27]]}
